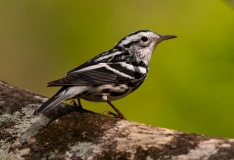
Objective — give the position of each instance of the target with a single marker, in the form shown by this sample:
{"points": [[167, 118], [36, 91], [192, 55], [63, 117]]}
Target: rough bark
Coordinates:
{"points": [[67, 133]]}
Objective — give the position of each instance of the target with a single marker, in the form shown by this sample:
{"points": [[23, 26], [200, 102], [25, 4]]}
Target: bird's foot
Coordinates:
{"points": [[79, 107], [114, 115], [73, 102]]}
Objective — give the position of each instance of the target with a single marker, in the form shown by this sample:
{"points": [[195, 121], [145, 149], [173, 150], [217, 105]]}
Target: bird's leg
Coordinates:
{"points": [[119, 114], [78, 99]]}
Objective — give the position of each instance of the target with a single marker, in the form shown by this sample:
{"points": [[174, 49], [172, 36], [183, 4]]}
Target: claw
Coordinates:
{"points": [[73, 102], [113, 114]]}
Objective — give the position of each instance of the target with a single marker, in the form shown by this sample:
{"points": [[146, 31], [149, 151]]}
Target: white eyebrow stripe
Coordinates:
{"points": [[129, 39], [100, 65]]}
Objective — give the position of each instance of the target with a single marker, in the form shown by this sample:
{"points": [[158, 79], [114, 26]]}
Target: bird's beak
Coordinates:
{"points": [[165, 37]]}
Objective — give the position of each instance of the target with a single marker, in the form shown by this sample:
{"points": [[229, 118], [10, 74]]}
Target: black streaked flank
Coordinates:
{"points": [[105, 91], [117, 93]]}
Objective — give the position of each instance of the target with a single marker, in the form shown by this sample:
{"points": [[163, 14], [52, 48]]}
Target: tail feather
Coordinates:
{"points": [[63, 94]]}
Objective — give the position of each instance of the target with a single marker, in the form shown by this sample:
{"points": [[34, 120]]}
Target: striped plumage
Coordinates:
{"points": [[109, 76]]}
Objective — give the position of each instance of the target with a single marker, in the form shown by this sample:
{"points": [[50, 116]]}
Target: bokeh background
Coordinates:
{"points": [[190, 86]]}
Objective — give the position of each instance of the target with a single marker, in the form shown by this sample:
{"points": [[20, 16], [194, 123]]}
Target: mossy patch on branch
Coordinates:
{"points": [[74, 127]]}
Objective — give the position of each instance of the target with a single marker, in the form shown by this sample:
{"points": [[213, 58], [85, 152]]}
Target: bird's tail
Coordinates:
{"points": [[63, 94]]}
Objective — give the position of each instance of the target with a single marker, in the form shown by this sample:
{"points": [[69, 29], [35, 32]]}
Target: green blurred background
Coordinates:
{"points": [[190, 86]]}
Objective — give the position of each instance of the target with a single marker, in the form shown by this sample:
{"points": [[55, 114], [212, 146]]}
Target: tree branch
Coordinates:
{"points": [[67, 133]]}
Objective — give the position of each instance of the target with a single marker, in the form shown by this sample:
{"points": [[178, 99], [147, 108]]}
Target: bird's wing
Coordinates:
{"points": [[101, 73]]}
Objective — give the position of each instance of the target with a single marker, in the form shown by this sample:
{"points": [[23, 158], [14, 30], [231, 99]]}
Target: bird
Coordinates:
{"points": [[109, 76]]}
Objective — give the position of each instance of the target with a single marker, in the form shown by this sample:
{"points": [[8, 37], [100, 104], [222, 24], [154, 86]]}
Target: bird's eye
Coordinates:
{"points": [[144, 38]]}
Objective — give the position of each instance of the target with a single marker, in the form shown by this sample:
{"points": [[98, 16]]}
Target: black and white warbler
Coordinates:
{"points": [[109, 76]]}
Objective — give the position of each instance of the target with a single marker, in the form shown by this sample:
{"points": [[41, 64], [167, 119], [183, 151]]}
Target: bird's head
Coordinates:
{"points": [[142, 43]]}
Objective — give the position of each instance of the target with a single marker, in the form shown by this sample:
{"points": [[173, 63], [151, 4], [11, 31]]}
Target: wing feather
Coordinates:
{"points": [[101, 73], [113, 66]]}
